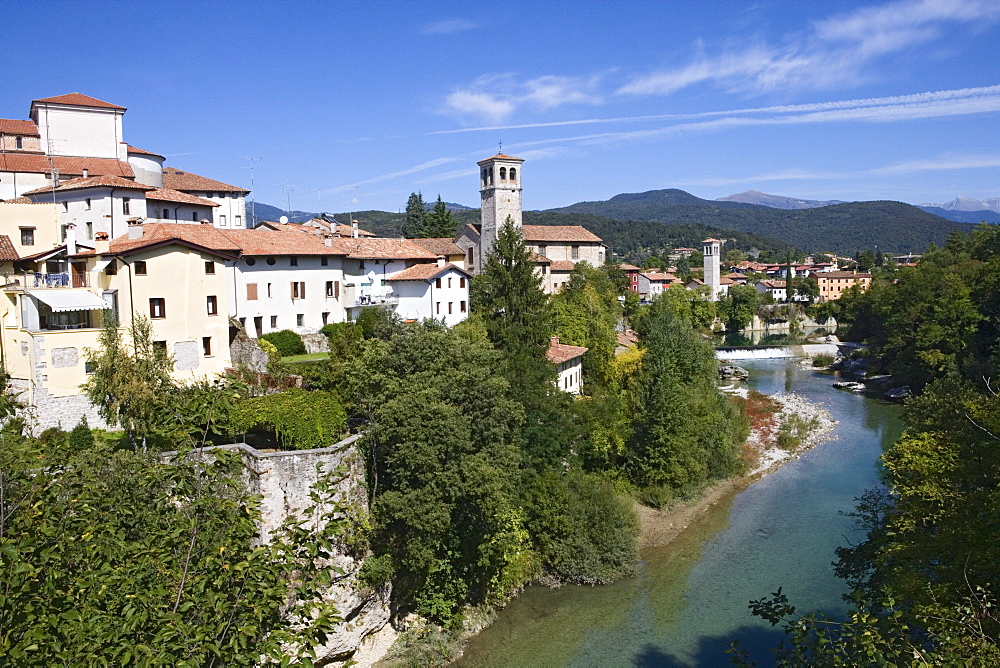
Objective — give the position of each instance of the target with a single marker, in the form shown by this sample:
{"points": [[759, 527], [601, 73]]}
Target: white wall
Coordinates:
{"points": [[12, 184], [176, 213], [570, 377], [84, 131], [148, 169], [423, 299], [104, 210]]}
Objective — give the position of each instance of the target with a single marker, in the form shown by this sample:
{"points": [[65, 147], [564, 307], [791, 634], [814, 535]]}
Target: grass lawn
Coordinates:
{"points": [[308, 357]]}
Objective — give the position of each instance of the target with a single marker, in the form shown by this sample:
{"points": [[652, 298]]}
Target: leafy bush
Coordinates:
{"points": [[286, 341], [823, 360], [583, 529], [300, 420]]}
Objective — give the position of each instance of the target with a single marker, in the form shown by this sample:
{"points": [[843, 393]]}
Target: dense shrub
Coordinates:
{"points": [[299, 419], [286, 341]]}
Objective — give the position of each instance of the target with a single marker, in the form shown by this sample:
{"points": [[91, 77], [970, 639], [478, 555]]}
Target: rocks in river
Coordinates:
{"points": [[879, 383], [732, 372], [899, 393], [851, 367], [850, 386]]}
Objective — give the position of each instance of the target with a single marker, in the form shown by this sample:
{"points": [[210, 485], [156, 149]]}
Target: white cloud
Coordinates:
{"points": [[495, 97], [832, 51], [448, 26], [481, 105]]}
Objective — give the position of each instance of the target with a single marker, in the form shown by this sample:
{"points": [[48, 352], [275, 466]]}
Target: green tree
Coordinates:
{"points": [[129, 378], [416, 217], [739, 307], [439, 222], [587, 313]]}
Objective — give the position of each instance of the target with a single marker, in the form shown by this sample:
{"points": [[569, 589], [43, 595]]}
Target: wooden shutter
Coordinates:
{"points": [[251, 291], [302, 290], [336, 289]]}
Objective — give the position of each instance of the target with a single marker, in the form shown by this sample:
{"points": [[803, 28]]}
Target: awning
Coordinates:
{"points": [[102, 263], [69, 300]]}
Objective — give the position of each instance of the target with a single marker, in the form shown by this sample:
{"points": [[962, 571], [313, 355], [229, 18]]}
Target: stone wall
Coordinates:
{"points": [[316, 343], [284, 480]]}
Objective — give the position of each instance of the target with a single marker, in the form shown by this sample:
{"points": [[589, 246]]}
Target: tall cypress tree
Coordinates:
{"points": [[416, 217], [439, 221]]}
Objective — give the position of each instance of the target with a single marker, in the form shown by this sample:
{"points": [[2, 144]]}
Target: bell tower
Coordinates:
{"points": [[500, 191]]}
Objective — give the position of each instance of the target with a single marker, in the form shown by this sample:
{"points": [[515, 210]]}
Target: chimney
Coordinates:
{"points": [[440, 261], [328, 240], [354, 229], [135, 228], [71, 239], [553, 341], [206, 221], [86, 172]]}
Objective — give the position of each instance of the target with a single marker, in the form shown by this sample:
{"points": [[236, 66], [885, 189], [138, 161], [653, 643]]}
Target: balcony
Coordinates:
{"points": [[36, 280], [386, 301]]}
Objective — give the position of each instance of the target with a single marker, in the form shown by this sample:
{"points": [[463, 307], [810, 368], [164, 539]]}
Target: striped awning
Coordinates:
{"points": [[69, 300]]}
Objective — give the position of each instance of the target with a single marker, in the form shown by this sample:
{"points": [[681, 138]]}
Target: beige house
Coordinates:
{"points": [[833, 283]]}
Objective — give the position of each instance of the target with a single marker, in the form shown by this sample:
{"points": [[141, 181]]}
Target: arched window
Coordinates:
{"points": [[503, 173], [486, 178], [513, 174], [491, 176]]}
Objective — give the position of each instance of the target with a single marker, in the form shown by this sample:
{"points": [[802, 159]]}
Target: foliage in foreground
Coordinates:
{"points": [[114, 557]]}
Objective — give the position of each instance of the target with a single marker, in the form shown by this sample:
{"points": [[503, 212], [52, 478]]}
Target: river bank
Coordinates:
{"points": [[658, 527]]}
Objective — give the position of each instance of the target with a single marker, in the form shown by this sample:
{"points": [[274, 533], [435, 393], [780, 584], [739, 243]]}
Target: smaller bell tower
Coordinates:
{"points": [[712, 276], [500, 191]]}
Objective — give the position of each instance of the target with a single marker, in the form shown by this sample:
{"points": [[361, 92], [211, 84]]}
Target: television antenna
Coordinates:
{"points": [[253, 194], [288, 198]]}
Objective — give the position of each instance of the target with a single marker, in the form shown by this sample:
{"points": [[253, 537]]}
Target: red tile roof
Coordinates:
{"points": [[270, 242], [139, 151], [660, 276], [381, 249], [561, 352], [538, 259], [92, 182], [335, 228], [625, 266], [78, 100], [442, 246], [499, 156], [19, 200], [566, 233], [841, 274], [66, 165], [562, 265], [7, 251], [177, 179], [425, 272], [160, 234], [168, 195], [10, 126]]}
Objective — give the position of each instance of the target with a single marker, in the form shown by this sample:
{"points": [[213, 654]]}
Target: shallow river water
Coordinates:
{"points": [[690, 598]]}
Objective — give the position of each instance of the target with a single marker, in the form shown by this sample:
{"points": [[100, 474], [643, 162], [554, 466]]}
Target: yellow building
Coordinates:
{"points": [[52, 310], [833, 283]]}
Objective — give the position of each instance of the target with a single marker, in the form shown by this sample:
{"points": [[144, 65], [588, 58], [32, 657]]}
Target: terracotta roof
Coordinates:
{"points": [[562, 265], [773, 285], [725, 281], [168, 195], [710, 240], [66, 166], [627, 338], [380, 249], [92, 182], [625, 266], [535, 233], [271, 242], [660, 276], [139, 151], [19, 200], [561, 352], [10, 126], [439, 246], [7, 251], [177, 179], [499, 156], [538, 259], [335, 227], [695, 281], [160, 234], [425, 272], [78, 100], [841, 274]]}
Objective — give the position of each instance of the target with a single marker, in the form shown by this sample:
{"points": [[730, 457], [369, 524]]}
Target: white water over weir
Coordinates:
{"points": [[775, 352], [768, 353]]}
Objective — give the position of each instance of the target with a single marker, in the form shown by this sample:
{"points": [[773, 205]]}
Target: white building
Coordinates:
{"points": [[569, 365]]}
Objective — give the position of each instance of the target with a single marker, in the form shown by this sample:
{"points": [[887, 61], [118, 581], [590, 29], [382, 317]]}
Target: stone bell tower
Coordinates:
{"points": [[500, 191], [712, 276]]}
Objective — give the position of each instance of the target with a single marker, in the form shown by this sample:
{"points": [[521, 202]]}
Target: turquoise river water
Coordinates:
{"points": [[690, 598]]}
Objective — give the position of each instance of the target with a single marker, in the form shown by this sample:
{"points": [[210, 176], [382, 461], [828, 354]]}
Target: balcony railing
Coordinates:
{"points": [[376, 300], [39, 280]]}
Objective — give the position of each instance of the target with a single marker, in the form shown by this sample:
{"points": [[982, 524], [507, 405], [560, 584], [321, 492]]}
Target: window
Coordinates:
{"points": [[66, 207], [449, 307], [87, 200], [461, 282], [112, 268], [575, 252], [513, 173], [194, 216], [126, 208], [90, 230], [463, 309], [324, 261], [157, 307], [18, 142], [213, 305], [62, 233], [268, 290], [222, 220], [274, 322], [541, 251], [251, 292], [437, 308], [209, 267], [329, 288], [27, 236], [238, 221], [271, 261], [299, 319], [449, 281], [140, 267], [294, 261], [503, 173], [325, 315], [298, 290], [162, 345], [206, 345], [251, 262], [437, 282], [89, 367]]}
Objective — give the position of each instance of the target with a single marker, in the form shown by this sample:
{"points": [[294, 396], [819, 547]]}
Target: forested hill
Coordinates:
{"points": [[842, 228]]}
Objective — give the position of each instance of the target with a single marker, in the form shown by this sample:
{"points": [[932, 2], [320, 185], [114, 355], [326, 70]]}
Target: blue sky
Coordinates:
{"points": [[355, 105]]}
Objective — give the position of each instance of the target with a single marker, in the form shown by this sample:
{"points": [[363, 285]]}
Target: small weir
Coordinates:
{"points": [[753, 353]]}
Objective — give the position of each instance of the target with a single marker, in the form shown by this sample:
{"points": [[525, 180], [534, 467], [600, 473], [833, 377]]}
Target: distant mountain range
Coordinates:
{"points": [[777, 201], [969, 204]]}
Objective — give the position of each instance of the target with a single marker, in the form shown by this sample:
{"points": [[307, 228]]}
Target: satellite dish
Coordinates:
{"points": [[283, 220]]}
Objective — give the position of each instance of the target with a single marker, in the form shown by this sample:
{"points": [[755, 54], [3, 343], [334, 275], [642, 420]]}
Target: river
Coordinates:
{"points": [[689, 600]]}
